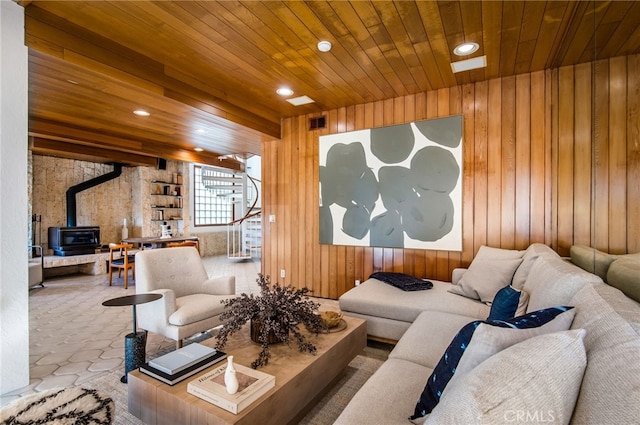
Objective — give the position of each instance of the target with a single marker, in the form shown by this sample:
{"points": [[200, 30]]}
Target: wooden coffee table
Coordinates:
{"points": [[301, 380]]}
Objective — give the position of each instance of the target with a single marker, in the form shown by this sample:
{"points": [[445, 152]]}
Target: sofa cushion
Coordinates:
{"points": [[591, 260], [490, 253], [466, 350], [484, 278], [487, 253], [539, 377], [531, 254], [612, 377], [375, 298], [490, 270], [553, 281], [428, 337], [508, 302], [387, 394], [488, 340], [624, 274], [196, 307]]}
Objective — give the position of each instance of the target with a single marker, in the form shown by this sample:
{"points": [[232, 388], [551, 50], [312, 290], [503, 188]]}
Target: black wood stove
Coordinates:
{"points": [[80, 240]]}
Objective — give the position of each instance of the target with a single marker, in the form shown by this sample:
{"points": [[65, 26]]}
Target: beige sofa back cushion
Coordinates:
{"points": [[591, 260], [529, 258], [553, 281], [624, 274], [610, 387]]}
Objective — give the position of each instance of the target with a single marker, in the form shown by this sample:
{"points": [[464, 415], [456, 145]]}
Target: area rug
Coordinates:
{"points": [[325, 412]]}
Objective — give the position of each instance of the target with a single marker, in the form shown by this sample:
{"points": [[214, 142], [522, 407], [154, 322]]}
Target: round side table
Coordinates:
{"points": [[135, 342]]}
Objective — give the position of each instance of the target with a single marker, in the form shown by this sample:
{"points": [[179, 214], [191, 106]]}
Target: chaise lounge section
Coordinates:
{"points": [[605, 327]]}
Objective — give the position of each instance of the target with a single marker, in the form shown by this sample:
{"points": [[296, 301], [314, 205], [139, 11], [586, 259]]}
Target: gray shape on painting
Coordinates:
{"points": [[416, 199], [392, 144], [444, 131], [365, 189], [327, 191], [396, 186], [435, 169], [326, 226], [345, 179], [355, 222], [429, 217], [386, 230], [349, 155]]}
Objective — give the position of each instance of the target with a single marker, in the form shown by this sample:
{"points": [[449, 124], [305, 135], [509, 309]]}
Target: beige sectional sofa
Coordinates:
{"points": [[425, 322]]}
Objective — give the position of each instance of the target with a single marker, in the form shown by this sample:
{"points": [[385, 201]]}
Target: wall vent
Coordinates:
{"points": [[318, 123]]}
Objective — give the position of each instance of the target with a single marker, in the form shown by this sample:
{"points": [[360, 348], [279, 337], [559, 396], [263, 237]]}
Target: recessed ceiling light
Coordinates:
{"points": [[141, 113], [469, 64], [284, 91], [198, 149], [300, 100], [466, 49], [324, 46]]}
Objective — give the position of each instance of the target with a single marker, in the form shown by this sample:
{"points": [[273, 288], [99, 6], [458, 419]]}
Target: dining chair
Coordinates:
{"points": [[119, 258], [184, 243]]}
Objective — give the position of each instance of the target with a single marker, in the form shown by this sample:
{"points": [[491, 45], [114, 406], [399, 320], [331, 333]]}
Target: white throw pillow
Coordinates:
{"points": [[488, 340], [537, 380], [485, 277], [490, 253], [531, 254], [449, 364]]}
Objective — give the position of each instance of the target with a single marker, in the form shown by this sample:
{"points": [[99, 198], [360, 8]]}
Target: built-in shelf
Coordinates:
{"points": [[163, 182], [172, 199]]}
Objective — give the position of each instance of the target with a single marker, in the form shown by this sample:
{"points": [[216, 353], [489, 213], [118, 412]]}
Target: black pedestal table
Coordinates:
{"points": [[135, 342]]}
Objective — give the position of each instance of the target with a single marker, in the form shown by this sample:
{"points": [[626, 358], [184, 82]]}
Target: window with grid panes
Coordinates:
{"points": [[211, 206]]}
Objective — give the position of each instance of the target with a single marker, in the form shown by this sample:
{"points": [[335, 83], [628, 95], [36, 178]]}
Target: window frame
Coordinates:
{"points": [[199, 190]]}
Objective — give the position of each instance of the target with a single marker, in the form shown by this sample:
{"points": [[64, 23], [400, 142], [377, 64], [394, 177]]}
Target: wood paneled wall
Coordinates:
{"points": [[551, 157]]}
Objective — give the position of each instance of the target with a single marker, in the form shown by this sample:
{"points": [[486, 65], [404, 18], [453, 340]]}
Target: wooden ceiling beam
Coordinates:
{"points": [[53, 147], [75, 141], [52, 35]]}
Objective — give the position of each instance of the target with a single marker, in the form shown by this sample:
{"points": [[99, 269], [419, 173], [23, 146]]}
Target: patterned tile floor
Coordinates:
{"points": [[73, 338]]}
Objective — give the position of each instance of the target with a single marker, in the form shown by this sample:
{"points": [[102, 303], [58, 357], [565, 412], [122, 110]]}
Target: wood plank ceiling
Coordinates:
{"points": [[214, 66]]}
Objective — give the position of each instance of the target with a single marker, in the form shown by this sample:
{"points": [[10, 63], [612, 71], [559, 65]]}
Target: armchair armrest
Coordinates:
{"points": [[225, 285], [155, 315]]}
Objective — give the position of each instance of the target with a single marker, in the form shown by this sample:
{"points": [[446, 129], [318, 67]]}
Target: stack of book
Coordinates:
{"points": [[252, 385], [182, 363]]}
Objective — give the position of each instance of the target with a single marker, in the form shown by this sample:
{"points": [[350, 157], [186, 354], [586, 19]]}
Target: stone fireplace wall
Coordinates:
{"points": [[106, 205]]}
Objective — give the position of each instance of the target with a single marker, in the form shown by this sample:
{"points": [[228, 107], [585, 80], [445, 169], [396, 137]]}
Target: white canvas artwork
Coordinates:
{"points": [[398, 186]]}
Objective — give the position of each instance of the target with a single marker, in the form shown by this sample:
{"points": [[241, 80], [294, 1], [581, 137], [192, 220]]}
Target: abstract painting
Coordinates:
{"points": [[398, 186]]}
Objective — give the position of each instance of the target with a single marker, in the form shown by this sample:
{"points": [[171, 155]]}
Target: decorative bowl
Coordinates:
{"points": [[331, 318]]}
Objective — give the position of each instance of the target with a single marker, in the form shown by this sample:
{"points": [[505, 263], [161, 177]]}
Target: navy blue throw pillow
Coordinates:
{"points": [[446, 367], [402, 281], [505, 304]]}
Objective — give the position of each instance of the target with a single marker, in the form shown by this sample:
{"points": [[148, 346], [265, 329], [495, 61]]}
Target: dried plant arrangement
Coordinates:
{"points": [[274, 315]]}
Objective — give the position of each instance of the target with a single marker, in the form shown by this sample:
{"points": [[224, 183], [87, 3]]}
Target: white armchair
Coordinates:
{"points": [[190, 303]]}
